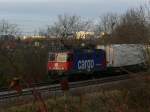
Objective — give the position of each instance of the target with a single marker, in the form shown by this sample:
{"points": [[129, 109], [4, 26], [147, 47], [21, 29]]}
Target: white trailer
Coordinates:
{"points": [[120, 55]]}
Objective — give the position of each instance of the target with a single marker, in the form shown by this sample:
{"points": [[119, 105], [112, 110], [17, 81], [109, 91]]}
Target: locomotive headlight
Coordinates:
{"points": [[56, 64]]}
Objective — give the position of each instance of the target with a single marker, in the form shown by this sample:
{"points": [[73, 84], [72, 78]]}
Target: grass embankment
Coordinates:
{"points": [[130, 97]]}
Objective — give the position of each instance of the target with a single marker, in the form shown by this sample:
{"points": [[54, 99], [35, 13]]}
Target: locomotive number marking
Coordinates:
{"points": [[85, 64]]}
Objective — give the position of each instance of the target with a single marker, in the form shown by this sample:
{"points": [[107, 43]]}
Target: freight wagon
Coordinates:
{"points": [[131, 57]]}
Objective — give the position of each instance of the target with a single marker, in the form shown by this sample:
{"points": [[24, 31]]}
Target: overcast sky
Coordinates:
{"points": [[31, 14], [89, 8]]}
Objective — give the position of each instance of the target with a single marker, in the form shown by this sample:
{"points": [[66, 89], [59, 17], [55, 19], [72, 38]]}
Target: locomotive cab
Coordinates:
{"points": [[60, 61]]}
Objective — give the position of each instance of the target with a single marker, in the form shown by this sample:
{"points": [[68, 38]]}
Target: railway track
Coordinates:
{"points": [[57, 87]]}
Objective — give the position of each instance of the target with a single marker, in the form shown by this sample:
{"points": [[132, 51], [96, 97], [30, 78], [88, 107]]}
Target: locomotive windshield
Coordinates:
{"points": [[61, 57]]}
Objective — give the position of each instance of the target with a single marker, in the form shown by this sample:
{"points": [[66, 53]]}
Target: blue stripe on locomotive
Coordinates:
{"points": [[89, 61]]}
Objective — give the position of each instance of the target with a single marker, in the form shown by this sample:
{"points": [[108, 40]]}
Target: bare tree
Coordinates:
{"points": [[132, 27], [8, 51], [107, 23], [23, 61], [68, 25], [147, 10], [7, 28], [42, 32]]}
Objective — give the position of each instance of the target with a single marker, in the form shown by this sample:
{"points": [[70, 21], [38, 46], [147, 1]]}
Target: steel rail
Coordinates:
{"points": [[57, 87]]}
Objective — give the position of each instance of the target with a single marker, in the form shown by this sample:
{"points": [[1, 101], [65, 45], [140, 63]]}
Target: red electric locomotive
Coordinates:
{"points": [[76, 62], [59, 61]]}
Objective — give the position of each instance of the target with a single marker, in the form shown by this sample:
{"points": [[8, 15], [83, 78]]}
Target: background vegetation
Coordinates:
{"points": [[122, 97], [28, 61]]}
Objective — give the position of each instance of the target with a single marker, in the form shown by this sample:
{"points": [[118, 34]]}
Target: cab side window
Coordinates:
{"points": [[51, 57]]}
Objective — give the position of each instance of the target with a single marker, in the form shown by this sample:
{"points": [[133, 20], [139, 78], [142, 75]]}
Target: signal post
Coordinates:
{"points": [[65, 88]]}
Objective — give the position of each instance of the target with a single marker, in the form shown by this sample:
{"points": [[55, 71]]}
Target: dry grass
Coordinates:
{"points": [[125, 99]]}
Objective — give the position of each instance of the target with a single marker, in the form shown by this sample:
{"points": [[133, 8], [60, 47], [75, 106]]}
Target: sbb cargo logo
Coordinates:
{"points": [[85, 64]]}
